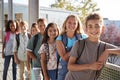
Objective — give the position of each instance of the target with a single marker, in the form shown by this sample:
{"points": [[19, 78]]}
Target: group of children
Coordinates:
{"points": [[51, 54]]}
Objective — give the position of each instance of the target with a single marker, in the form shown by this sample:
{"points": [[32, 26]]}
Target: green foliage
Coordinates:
{"points": [[83, 7]]}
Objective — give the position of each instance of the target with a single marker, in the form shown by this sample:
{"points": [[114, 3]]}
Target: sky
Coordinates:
{"points": [[108, 8]]}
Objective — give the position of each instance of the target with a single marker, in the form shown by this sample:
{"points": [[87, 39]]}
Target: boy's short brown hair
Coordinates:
{"points": [[93, 16]]}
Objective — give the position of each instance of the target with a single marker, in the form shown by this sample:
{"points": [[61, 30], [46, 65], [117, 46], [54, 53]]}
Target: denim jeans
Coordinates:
{"points": [[63, 70], [52, 74], [6, 65]]}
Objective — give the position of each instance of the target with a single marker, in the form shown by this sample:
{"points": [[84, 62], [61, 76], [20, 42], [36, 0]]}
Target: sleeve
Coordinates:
{"points": [[42, 49], [30, 44], [74, 50], [14, 44], [59, 38]]}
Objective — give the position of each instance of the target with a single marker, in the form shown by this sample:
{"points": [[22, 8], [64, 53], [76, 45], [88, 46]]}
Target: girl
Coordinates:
{"points": [[71, 31], [7, 53], [48, 52], [34, 29]]}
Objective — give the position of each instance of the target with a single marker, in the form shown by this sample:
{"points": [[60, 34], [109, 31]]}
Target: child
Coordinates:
{"points": [[20, 48], [71, 31], [34, 29], [86, 66], [33, 47], [48, 52], [7, 53]]}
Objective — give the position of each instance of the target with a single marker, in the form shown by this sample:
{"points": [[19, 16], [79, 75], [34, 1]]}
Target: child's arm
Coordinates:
{"points": [[61, 50], [44, 65], [17, 61], [3, 47], [106, 53], [72, 66], [31, 55]]}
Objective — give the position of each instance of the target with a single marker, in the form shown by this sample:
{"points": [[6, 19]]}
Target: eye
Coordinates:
{"points": [[97, 26]]}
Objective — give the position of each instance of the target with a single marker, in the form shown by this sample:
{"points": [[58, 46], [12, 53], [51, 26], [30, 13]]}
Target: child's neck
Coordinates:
{"points": [[51, 41], [12, 32], [70, 34], [94, 39]]}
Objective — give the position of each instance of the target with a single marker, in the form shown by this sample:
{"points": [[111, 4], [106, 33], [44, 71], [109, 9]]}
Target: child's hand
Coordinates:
{"points": [[3, 55], [28, 66], [17, 61], [96, 65], [47, 78]]}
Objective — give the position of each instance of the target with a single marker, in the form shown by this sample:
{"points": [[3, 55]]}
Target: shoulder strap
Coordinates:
{"points": [[35, 41], [17, 40], [47, 48], [7, 36], [64, 40], [29, 36], [80, 48], [78, 36]]}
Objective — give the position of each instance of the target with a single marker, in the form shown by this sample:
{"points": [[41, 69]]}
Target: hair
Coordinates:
{"points": [[24, 23], [34, 25], [79, 26], [45, 36], [41, 20], [7, 28], [93, 16]]}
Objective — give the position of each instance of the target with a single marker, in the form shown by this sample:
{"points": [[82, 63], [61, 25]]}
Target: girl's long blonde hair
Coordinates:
{"points": [[79, 27]]}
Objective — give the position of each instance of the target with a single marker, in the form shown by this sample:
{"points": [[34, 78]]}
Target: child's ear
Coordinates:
{"points": [[103, 28]]}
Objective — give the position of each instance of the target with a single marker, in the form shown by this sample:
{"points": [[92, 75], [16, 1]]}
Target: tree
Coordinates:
{"points": [[83, 7]]}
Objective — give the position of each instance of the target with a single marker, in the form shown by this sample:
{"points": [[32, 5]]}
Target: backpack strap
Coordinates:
{"points": [[47, 48], [17, 40], [80, 48], [7, 36], [78, 36], [29, 36], [35, 41], [64, 40], [103, 46]]}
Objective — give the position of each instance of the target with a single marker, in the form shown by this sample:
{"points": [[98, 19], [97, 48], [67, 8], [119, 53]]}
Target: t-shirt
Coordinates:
{"points": [[51, 55], [35, 63], [71, 41], [9, 45], [21, 52], [89, 55]]}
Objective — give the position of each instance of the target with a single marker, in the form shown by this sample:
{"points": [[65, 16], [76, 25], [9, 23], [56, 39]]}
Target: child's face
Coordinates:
{"points": [[94, 28], [23, 28], [41, 26], [71, 24], [13, 27], [52, 32], [33, 31]]}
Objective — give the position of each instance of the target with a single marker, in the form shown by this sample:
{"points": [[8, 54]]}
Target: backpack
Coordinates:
{"points": [[18, 39]]}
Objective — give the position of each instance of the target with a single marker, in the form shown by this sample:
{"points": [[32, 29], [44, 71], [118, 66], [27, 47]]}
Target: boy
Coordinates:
{"points": [[86, 66], [32, 50], [19, 48]]}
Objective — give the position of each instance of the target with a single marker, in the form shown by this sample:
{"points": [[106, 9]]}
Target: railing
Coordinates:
{"points": [[110, 72]]}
